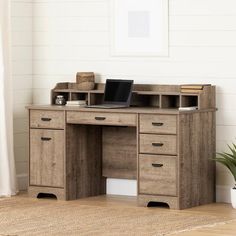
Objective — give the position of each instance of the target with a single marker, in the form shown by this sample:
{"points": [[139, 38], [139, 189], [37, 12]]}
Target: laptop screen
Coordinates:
{"points": [[118, 91]]}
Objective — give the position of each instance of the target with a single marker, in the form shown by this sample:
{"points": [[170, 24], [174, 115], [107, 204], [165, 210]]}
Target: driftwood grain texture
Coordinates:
{"points": [[35, 191], [47, 119], [158, 144], [47, 158], [84, 161], [172, 202], [158, 175], [161, 124], [119, 152], [167, 150], [196, 149], [101, 118]]}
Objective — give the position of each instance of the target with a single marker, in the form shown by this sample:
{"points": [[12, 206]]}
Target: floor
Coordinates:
{"points": [[224, 210], [212, 209]]}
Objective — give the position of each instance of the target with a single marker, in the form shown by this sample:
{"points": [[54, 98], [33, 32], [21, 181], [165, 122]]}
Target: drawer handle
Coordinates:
{"points": [[157, 144], [157, 165], [100, 118], [46, 119], [157, 124], [45, 139]]}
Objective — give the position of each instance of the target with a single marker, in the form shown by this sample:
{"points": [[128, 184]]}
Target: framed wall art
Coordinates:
{"points": [[139, 27]]}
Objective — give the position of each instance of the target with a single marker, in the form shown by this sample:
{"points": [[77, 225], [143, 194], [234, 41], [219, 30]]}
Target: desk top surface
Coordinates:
{"points": [[133, 110]]}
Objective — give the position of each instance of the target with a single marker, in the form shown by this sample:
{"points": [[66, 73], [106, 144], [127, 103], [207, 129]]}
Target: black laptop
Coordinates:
{"points": [[117, 94]]}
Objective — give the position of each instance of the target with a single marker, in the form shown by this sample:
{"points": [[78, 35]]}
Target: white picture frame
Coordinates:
{"points": [[139, 28]]}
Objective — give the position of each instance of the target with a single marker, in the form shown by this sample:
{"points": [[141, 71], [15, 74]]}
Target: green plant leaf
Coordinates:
{"points": [[228, 156], [228, 159], [232, 150], [234, 146], [227, 163]]}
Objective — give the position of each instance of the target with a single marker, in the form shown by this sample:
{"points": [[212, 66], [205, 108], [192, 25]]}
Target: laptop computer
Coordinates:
{"points": [[117, 94]]}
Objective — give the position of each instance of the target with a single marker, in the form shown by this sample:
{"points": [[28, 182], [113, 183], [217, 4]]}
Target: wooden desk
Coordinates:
{"points": [[73, 150], [167, 151]]}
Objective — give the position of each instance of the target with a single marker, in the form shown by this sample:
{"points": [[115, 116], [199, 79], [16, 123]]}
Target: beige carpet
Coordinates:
{"points": [[26, 216]]}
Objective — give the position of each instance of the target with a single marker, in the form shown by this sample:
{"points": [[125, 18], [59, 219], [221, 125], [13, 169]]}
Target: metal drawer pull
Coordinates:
{"points": [[45, 139], [157, 144], [46, 119], [157, 124], [157, 165], [100, 118]]}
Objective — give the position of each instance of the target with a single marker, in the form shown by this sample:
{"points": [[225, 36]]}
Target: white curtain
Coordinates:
{"points": [[7, 163]]}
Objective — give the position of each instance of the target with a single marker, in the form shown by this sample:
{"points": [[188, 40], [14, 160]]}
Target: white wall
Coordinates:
{"points": [[21, 15], [73, 35]]}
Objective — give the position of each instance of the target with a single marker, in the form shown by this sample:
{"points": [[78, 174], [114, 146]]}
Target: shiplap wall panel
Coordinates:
{"points": [[73, 24], [21, 27], [190, 23], [74, 35], [46, 50], [202, 7], [21, 39], [142, 68], [71, 8], [74, 38]]}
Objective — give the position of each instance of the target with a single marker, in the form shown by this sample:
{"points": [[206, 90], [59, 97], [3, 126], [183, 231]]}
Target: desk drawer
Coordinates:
{"points": [[158, 144], [158, 175], [162, 124], [101, 118], [47, 119]]}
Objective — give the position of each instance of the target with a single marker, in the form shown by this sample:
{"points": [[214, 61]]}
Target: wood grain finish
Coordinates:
{"points": [[158, 175], [108, 141], [84, 161], [34, 191], [119, 152], [196, 148], [172, 202], [207, 99], [47, 157], [161, 124], [163, 96], [47, 119], [101, 118], [158, 144], [170, 101]]}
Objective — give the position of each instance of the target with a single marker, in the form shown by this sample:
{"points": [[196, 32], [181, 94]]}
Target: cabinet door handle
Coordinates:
{"points": [[157, 124], [100, 118], [157, 165], [45, 139], [46, 119], [157, 144]]}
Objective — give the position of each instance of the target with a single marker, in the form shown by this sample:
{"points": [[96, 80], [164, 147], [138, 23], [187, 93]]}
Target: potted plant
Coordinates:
{"points": [[228, 159]]}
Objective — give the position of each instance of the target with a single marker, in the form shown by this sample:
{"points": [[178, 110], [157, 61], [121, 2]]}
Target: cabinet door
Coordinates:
{"points": [[47, 157]]}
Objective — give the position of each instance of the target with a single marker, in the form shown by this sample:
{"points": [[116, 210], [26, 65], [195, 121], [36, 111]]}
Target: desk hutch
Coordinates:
{"points": [[73, 150]]}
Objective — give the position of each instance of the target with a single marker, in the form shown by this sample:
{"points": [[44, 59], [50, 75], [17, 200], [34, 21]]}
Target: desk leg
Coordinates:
{"points": [[84, 161]]}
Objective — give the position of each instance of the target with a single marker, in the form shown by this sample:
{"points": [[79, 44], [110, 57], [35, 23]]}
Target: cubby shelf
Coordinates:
{"points": [[159, 96]]}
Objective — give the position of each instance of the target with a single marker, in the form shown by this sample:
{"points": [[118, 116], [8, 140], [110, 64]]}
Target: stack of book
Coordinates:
{"points": [[193, 88], [79, 103], [188, 108]]}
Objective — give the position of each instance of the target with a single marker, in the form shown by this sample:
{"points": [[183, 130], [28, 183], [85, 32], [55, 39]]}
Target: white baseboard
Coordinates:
{"points": [[121, 187], [223, 193], [22, 180]]}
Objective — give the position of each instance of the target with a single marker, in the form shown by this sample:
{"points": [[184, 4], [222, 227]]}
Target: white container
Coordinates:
{"points": [[233, 197]]}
